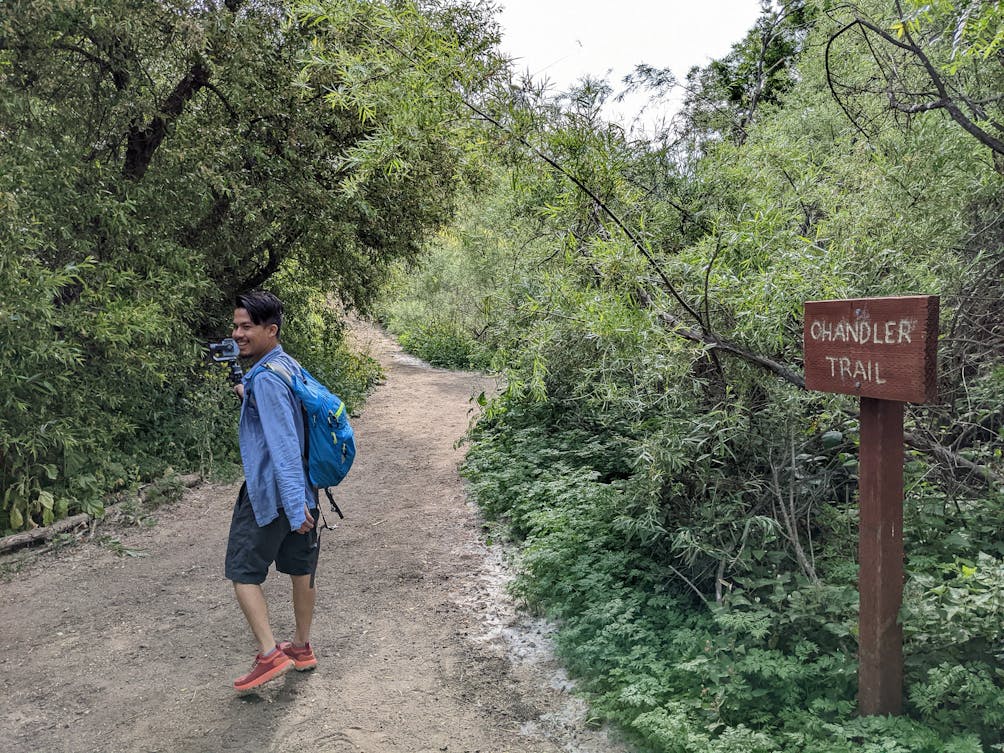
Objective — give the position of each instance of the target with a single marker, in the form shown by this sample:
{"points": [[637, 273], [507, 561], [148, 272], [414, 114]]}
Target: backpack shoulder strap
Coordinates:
{"points": [[282, 372]]}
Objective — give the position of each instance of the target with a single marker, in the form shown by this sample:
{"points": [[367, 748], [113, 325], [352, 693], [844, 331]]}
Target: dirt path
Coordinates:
{"points": [[419, 649]]}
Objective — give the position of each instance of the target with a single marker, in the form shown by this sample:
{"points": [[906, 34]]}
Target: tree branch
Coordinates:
{"points": [[274, 259], [949, 105], [600, 203], [961, 467], [830, 80], [715, 343], [219, 95], [938, 104], [143, 140]]}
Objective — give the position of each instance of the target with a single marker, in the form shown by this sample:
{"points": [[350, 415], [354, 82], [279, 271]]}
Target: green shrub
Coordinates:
{"points": [[445, 345], [772, 667], [109, 389]]}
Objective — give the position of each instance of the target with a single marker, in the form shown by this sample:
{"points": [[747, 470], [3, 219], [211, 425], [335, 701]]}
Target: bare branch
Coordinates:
{"points": [[944, 99], [219, 95], [599, 202], [707, 283], [963, 468], [790, 519], [714, 343], [937, 104], [831, 81]]}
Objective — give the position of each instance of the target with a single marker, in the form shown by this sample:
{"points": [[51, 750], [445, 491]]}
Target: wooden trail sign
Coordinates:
{"points": [[885, 348], [885, 351]]}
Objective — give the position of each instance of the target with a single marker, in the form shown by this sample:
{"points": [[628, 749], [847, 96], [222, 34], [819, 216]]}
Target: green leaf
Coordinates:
{"points": [[46, 500], [832, 438]]}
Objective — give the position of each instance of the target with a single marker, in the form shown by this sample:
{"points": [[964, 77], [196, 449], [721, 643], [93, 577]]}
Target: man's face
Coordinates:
{"points": [[254, 340]]}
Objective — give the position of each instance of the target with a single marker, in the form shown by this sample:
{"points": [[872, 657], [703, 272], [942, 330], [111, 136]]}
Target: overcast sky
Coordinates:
{"points": [[566, 39]]}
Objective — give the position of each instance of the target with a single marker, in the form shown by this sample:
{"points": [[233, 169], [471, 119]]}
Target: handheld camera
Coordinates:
{"points": [[226, 351]]}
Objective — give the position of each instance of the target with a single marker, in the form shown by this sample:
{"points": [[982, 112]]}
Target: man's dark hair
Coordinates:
{"points": [[263, 307]]}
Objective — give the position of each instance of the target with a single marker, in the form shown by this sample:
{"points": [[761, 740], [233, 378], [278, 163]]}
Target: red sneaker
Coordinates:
{"points": [[265, 668], [303, 657]]}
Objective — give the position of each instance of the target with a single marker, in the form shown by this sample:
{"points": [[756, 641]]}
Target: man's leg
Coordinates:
{"points": [[265, 668], [252, 600], [303, 608]]}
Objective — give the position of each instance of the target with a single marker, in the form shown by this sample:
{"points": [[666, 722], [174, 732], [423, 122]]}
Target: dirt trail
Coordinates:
{"points": [[419, 648]]}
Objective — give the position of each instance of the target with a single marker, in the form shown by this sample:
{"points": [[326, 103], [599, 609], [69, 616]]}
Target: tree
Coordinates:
{"points": [[722, 99], [165, 154]]}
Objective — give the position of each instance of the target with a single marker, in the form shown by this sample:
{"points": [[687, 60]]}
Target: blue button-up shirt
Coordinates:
{"points": [[271, 438]]}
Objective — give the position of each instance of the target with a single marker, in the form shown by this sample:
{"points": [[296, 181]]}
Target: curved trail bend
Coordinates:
{"points": [[420, 650]]}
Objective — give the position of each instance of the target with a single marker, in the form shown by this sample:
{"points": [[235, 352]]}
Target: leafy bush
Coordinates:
{"points": [[442, 344], [440, 307], [37, 370], [314, 333], [771, 667]]}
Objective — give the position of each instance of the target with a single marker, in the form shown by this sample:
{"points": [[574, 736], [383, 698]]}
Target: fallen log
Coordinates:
{"points": [[27, 538], [44, 533]]}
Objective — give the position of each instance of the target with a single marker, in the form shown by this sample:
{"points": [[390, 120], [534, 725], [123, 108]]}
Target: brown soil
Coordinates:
{"points": [[419, 647]]}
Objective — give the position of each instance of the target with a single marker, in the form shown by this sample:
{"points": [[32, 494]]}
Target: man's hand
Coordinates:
{"points": [[308, 523], [239, 390]]}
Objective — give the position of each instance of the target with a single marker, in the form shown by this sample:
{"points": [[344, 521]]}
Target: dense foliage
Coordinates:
{"points": [[680, 502], [159, 157]]}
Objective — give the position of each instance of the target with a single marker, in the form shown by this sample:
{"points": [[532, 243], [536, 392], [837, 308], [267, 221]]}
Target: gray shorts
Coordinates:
{"points": [[251, 548]]}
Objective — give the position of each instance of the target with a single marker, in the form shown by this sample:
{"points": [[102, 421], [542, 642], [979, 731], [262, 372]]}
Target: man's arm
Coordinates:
{"points": [[279, 414]]}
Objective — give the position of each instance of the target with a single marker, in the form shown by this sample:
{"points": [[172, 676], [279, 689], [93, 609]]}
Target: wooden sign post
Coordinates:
{"points": [[884, 350]]}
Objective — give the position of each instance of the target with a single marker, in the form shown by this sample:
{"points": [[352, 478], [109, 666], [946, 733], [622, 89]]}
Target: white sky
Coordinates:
{"points": [[563, 40]]}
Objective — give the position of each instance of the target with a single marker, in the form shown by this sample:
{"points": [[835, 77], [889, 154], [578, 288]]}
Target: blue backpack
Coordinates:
{"points": [[330, 443]]}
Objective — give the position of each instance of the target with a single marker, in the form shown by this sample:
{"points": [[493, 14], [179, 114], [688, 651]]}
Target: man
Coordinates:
{"points": [[276, 507]]}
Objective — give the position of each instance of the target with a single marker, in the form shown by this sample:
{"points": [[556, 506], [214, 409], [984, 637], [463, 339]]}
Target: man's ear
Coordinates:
{"points": [[273, 330]]}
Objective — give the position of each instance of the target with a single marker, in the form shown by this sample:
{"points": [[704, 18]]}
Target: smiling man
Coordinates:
{"points": [[273, 519]]}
